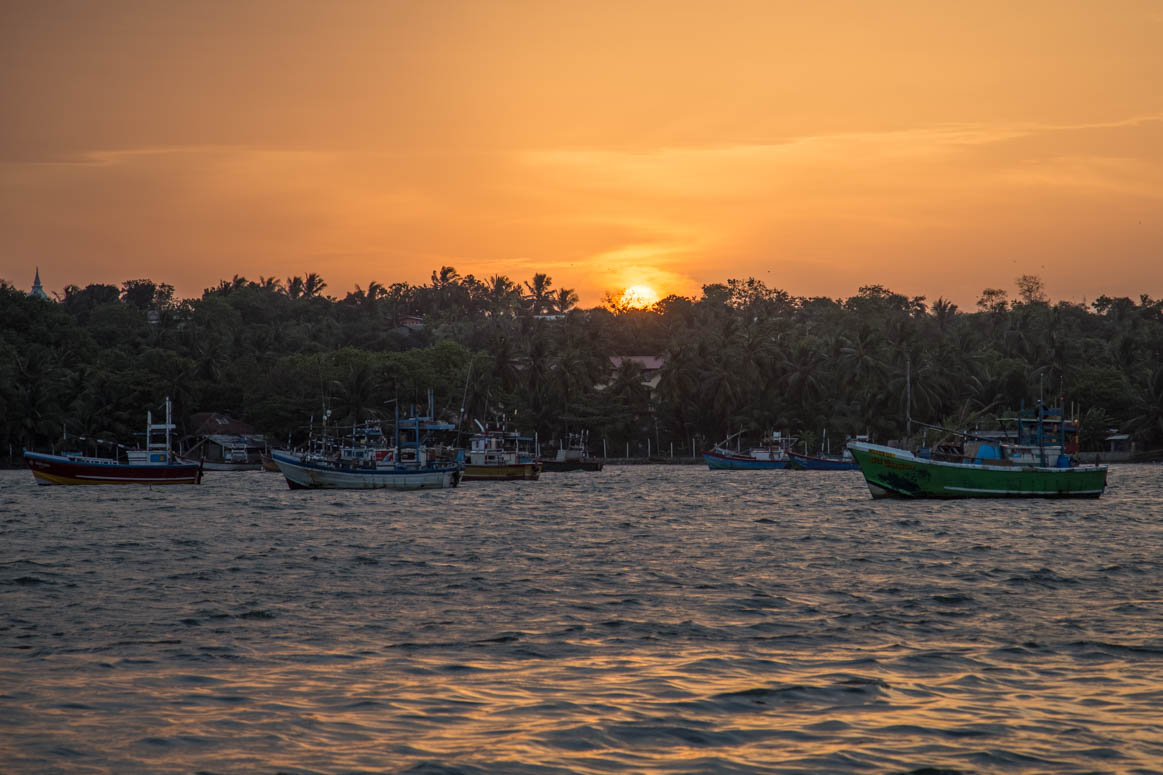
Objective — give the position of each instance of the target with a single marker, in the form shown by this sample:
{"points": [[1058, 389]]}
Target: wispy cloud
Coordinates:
{"points": [[798, 211]]}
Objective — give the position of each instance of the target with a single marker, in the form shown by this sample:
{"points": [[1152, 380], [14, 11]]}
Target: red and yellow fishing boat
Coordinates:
{"points": [[153, 465]]}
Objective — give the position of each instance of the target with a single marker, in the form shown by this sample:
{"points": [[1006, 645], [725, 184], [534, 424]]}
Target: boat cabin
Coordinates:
{"points": [[1040, 437], [496, 447]]}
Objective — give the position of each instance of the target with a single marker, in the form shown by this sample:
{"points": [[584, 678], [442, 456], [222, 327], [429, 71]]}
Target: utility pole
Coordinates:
{"points": [[908, 396]]}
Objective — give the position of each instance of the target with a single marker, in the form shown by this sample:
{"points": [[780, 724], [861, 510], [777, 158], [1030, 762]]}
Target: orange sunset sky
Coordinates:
{"points": [[937, 148]]}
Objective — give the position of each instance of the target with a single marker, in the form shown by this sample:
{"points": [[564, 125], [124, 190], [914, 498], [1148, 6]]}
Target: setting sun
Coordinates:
{"points": [[639, 296]]}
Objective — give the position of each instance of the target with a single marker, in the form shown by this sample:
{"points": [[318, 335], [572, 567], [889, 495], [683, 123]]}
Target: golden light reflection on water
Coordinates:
{"points": [[687, 635], [647, 710]]}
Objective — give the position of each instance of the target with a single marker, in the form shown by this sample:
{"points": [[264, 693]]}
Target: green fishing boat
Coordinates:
{"points": [[897, 473], [1037, 466]]}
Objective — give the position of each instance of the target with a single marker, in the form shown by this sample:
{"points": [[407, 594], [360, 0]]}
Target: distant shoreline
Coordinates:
{"points": [[1088, 458]]}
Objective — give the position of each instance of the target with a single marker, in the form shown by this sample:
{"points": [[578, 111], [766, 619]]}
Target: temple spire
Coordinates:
{"points": [[37, 288]]}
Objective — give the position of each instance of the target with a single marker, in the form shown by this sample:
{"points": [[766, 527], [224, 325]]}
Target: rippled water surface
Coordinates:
{"points": [[642, 619]]}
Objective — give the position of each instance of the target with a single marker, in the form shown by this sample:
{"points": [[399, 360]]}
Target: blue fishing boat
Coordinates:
{"points": [[771, 453], [823, 462]]}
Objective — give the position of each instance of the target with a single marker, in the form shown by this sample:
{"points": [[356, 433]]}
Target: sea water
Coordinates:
{"points": [[643, 619]]}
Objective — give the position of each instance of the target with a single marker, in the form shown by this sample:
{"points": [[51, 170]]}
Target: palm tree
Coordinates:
{"points": [[678, 384], [39, 389], [564, 300], [540, 294], [944, 313], [368, 298], [1093, 429], [627, 402], [860, 359], [445, 277], [271, 284], [502, 294], [355, 395], [803, 380], [313, 285], [1147, 423]]}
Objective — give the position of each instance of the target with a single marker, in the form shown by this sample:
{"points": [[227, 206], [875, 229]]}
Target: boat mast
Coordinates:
{"points": [[463, 400], [1041, 412], [151, 427]]}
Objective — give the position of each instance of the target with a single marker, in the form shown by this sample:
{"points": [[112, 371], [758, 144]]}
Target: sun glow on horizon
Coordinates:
{"points": [[656, 166], [639, 297]]}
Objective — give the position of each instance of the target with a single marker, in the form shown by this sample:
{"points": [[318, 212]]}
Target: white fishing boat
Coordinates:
{"points": [[307, 472], [572, 456], [497, 454], [365, 462]]}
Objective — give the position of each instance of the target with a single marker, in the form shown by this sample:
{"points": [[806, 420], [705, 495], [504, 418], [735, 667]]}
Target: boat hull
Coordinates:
{"points": [[717, 461], [593, 464], [812, 463], [58, 469], [895, 473], [517, 471], [304, 474]]}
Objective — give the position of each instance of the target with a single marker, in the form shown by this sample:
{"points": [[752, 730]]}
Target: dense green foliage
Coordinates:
{"points": [[741, 356]]}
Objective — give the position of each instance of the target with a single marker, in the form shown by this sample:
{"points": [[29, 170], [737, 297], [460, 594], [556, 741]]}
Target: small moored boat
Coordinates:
{"points": [[771, 453], [496, 454], [572, 457], [153, 465]]}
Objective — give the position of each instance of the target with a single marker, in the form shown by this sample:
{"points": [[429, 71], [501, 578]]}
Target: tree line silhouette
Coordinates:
{"points": [[741, 355]]}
